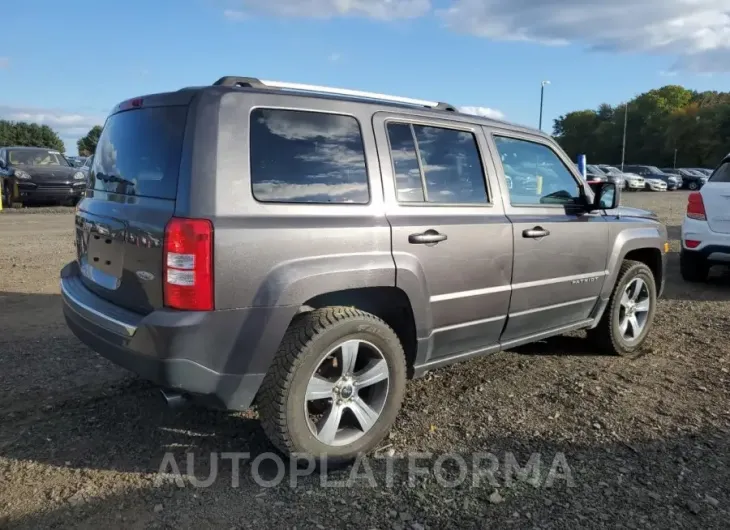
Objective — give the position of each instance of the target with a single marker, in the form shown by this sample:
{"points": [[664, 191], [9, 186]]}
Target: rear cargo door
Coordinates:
{"points": [[716, 196], [131, 196]]}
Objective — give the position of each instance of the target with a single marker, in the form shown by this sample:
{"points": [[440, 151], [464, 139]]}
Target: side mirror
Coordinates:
{"points": [[607, 196], [2, 164]]}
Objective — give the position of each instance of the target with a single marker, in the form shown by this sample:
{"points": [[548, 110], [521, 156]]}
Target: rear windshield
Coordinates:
{"points": [[722, 174], [139, 152]]}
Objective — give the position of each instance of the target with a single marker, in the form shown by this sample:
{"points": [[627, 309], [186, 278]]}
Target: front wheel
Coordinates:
{"points": [[630, 313], [335, 386], [693, 186]]}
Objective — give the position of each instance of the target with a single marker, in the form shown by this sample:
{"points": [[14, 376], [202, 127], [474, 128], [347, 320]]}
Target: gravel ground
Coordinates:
{"points": [[644, 442]]}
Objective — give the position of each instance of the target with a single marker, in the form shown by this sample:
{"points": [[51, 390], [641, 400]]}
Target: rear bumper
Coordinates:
{"points": [[214, 355]]}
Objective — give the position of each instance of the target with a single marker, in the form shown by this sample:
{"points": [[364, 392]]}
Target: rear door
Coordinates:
{"points": [[131, 196], [450, 237], [716, 196], [560, 250]]}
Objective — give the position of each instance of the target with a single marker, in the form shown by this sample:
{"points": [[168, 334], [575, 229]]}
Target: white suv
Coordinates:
{"points": [[706, 227]]}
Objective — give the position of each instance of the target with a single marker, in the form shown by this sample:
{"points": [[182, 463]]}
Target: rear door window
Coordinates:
{"points": [[436, 165], [307, 157], [722, 174], [139, 152]]}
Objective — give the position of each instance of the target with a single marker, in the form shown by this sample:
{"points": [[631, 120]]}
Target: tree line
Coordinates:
{"points": [[658, 122], [22, 134]]}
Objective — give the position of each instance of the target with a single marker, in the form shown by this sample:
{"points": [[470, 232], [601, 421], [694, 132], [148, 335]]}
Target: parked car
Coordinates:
{"points": [[85, 168], [691, 179], [673, 182], [655, 184], [630, 181], [594, 174], [706, 227], [703, 170], [273, 276], [34, 174]]}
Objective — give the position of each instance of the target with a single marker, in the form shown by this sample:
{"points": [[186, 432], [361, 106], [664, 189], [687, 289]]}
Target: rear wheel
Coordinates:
{"points": [[335, 386], [627, 320], [693, 266], [693, 185]]}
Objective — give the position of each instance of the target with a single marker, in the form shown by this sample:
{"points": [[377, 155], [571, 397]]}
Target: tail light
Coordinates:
{"points": [[188, 265], [696, 207]]}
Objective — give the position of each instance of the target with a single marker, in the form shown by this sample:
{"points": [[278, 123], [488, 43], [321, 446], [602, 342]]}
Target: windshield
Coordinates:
{"points": [[595, 169], [36, 157], [611, 170], [655, 170]]}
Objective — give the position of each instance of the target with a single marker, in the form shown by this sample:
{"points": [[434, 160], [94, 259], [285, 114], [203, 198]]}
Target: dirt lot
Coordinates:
{"points": [[645, 440]]}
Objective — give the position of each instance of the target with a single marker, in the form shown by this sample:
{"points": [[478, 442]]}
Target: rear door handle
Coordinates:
{"points": [[429, 237], [536, 233]]}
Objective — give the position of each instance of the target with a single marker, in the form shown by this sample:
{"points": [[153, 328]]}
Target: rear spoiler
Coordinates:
{"points": [[164, 99]]}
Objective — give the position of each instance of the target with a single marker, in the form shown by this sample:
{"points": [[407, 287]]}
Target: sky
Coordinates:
{"points": [[67, 64]]}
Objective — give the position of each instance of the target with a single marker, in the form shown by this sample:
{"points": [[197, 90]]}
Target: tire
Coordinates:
{"points": [[693, 186], [608, 336], [308, 347], [693, 267], [6, 197]]}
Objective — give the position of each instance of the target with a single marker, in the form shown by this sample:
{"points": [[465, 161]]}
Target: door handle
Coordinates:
{"points": [[535, 233], [429, 237]]}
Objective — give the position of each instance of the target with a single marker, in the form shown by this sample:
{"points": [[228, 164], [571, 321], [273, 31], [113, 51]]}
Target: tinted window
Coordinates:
{"points": [[535, 174], [309, 157], [139, 152], [722, 174], [449, 164], [409, 186]]}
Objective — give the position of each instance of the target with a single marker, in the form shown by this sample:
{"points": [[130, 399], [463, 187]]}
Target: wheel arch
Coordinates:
{"points": [[643, 244]]}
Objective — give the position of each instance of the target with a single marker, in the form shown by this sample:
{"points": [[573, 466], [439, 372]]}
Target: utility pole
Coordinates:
{"points": [[623, 148], [675, 158], [542, 100]]}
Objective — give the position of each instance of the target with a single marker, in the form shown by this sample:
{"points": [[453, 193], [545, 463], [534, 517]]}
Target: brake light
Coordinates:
{"points": [[188, 264], [131, 104], [692, 243], [696, 207]]}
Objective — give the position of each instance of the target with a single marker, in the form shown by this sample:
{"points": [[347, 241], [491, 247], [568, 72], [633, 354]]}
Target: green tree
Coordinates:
{"points": [[660, 121], [29, 135], [87, 144]]}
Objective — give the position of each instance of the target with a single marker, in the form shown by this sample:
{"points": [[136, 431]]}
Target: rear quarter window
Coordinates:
{"points": [[139, 152], [307, 157], [721, 174]]}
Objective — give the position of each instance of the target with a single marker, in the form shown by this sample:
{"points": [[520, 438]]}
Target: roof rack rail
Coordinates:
{"points": [[252, 82]]}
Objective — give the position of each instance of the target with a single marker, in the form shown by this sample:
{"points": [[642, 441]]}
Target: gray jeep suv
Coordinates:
{"points": [[309, 249]]}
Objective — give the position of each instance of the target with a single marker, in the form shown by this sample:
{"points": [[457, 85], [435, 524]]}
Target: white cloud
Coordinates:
{"points": [[284, 191], [235, 15], [335, 57], [696, 32], [4, 62], [483, 111], [376, 9], [70, 126]]}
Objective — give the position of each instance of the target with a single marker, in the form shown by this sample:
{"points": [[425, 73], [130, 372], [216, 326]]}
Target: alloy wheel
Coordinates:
{"points": [[347, 392], [634, 309]]}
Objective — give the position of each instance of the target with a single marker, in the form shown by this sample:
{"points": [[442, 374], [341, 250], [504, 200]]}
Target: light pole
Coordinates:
{"points": [[623, 148], [542, 100]]}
